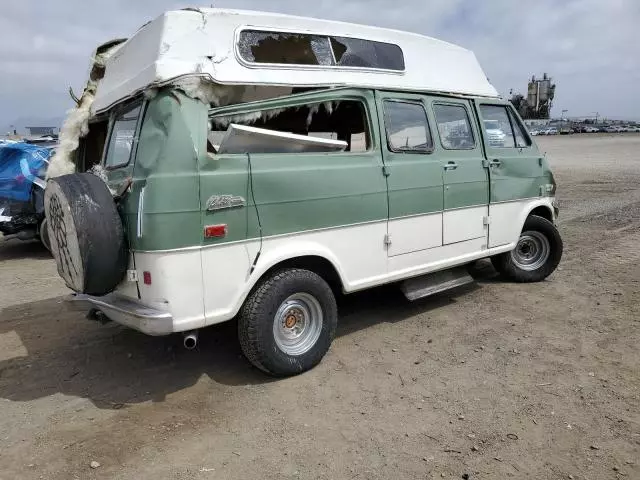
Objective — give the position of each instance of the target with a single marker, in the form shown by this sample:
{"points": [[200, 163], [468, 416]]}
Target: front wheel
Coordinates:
{"points": [[537, 253], [288, 322]]}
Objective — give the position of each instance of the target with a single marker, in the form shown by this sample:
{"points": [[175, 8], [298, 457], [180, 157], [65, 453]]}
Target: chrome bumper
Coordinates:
{"points": [[126, 312]]}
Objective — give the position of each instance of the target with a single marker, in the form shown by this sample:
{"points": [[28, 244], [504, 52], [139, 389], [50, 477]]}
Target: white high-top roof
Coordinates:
{"points": [[204, 42]]}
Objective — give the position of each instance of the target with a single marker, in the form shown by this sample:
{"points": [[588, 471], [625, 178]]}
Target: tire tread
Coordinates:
{"points": [[255, 311], [505, 266]]}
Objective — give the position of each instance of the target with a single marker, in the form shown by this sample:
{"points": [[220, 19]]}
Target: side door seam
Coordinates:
{"points": [[383, 144]]}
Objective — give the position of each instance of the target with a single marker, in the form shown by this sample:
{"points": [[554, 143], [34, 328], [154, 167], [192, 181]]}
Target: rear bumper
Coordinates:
{"points": [[126, 312]]}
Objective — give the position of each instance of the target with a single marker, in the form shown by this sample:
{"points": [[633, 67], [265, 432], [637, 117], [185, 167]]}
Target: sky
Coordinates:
{"points": [[591, 48]]}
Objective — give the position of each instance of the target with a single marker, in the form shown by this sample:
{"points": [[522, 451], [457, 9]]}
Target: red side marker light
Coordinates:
{"points": [[215, 231], [146, 277]]}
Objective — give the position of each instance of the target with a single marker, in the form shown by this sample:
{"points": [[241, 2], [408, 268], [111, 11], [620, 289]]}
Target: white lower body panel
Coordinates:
{"points": [[204, 286], [412, 234], [507, 218], [425, 261], [176, 286], [464, 224]]}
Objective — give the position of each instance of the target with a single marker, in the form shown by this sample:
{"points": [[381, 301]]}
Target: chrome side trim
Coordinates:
{"points": [[257, 239], [304, 232], [528, 199], [467, 206], [140, 210], [414, 215]]}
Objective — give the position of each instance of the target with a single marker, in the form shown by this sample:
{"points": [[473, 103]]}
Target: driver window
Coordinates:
{"points": [[407, 127], [497, 126]]}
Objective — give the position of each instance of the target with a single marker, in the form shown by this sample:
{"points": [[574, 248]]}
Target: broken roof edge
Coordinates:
{"points": [[176, 83], [203, 42], [260, 13]]}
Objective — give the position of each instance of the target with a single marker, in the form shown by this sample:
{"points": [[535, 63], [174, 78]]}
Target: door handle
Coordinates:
{"points": [[451, 166], [495, 163]]}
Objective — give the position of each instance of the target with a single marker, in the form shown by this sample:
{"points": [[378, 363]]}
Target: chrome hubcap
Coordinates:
{"points": [[297, 324], [532, 251]]}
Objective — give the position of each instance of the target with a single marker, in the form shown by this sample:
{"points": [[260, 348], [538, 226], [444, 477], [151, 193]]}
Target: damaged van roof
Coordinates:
{"points": [[234, 47]]}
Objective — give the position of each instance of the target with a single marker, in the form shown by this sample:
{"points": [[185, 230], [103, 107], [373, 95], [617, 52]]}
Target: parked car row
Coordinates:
{"points": [[586, 129], [622, 128], [545, 131]]}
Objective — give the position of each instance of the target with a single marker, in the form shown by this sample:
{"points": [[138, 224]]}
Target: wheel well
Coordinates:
{"points": [[318, 265], [543, 212]]}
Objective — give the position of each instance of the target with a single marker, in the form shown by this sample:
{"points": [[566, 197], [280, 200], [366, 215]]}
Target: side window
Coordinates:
{"points": [[343, 120], [454, 127], [497, 126], [407, 127], [522, 139], [285, 48], [122, 136]]}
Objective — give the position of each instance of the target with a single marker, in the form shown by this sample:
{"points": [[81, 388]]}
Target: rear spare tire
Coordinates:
{"points": [[85, 233]]}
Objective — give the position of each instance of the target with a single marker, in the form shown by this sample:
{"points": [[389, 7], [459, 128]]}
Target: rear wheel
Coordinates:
{"points": [[288, 322], [537, 253]]}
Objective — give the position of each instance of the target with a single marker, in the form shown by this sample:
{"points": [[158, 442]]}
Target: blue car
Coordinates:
{"points": [[23, 168]]}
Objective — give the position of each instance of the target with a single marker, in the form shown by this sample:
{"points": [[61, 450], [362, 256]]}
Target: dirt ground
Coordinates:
{"points": [[496, 381]]}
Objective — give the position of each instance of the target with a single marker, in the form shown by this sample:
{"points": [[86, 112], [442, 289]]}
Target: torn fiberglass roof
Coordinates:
{"points": [[233, 47]]}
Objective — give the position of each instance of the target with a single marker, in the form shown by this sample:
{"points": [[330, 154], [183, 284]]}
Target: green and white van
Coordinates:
{"points": [[252, 166]]}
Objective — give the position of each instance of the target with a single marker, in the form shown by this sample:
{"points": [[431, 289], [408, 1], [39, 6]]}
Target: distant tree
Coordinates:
{"points": [[520, 103]]}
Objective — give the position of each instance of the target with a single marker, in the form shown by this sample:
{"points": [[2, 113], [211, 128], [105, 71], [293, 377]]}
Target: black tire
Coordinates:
{"points": [[507, 265], [258, 316], [43, 234], [86, 235]]}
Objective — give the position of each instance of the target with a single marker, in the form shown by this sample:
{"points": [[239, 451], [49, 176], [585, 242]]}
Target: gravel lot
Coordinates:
{"points": [[496, 381]]}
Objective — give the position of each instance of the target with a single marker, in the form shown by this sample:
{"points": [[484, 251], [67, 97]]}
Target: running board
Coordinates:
{"points": [[432, 283]]}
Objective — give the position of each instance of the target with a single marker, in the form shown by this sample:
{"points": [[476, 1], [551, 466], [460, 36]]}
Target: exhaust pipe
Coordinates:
{"points": [[190, 339]]}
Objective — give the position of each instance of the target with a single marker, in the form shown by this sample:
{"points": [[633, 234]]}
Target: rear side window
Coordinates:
{"points": [[122, 138], [454, 127], [344, 120], [283, 48], [502, 128], [353, 52], [407, 127]]}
